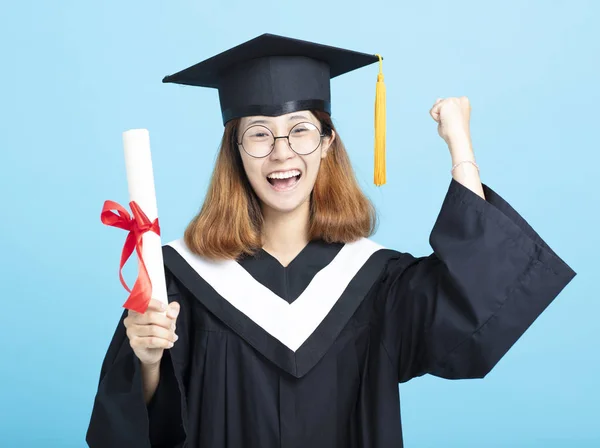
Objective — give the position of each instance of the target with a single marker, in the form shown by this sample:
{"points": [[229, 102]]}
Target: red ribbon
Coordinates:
{"points": [[139, 298]]}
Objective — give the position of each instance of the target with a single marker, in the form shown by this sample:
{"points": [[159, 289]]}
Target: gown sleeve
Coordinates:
{"points": [[120, 416], [455, 313]]}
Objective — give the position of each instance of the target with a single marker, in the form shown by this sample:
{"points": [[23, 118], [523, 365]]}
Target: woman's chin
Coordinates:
{"points": [[283, 204], [280, 207]]}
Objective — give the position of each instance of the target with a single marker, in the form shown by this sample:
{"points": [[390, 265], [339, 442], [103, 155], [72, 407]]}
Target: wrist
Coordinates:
{"points": [[151, 367], [465, 166], [459, 142], [150, 380]]}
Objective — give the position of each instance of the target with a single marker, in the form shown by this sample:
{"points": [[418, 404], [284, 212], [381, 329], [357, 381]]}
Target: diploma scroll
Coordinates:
{"points": [[140, 181]]}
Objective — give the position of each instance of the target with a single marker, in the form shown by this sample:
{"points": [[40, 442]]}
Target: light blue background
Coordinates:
{"points": [[76, 74]]}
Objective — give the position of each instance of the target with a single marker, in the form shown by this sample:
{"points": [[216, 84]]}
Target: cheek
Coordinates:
{"points": [[313, 165], [251, 167]]}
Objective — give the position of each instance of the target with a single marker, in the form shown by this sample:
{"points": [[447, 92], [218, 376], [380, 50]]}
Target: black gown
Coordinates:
{"points": [[310, 355]]}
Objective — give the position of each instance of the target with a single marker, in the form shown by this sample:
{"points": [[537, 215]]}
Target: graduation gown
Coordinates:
{"points": [[310, 355]]}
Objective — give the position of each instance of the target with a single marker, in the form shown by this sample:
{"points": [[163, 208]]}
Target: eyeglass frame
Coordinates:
{"points": [[287, 137]]}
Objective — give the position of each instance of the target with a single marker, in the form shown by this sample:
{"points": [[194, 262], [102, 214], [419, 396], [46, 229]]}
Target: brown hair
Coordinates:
{"points": [[230, 221]]}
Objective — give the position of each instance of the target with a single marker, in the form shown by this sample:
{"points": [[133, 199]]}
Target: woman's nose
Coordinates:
{"points": [[282, 150]]}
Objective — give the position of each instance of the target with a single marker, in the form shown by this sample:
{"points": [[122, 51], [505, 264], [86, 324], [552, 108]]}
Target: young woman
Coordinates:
{"points": [[287, 326]]}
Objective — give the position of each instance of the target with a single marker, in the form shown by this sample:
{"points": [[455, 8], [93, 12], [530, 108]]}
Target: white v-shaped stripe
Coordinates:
{"points": [[290, 323]]}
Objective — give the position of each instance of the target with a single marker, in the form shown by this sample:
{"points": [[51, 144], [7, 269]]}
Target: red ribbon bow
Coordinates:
{"points": [[139, 298]]}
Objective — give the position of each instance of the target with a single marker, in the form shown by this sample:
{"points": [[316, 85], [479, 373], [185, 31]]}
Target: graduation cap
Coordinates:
{"points": [[273, 75]]}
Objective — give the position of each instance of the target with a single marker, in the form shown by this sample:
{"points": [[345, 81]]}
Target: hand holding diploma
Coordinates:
{"points": [[151, 333]]}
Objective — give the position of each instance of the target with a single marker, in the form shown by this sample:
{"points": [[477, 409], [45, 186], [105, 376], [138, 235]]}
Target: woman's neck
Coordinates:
{"points": [[285, 234]]}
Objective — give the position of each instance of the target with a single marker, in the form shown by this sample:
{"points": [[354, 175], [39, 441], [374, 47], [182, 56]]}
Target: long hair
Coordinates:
{"points": [[229, 223]]}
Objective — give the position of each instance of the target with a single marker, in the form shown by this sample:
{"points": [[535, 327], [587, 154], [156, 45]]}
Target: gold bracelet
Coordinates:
{"points": [[465, 161]]}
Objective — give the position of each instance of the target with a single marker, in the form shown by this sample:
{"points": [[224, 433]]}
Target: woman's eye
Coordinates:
{"points": [[259, 135]]}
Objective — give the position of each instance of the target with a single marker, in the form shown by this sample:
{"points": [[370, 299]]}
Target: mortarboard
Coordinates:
{"points": [[273, 75]]}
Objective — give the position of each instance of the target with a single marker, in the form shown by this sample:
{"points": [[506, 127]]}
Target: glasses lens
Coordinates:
{"points": [[305, 138], [258, 141]]}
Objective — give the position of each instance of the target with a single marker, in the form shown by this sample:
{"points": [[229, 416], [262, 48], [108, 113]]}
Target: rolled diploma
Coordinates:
{"points": [[140, 180]]}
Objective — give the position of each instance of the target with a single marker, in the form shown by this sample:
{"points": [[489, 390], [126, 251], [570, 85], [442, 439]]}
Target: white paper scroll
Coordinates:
{"points": [[140, 180]]}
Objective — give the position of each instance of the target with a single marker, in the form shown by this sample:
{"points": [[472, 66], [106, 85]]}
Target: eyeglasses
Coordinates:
{"points": [[258, 141]]}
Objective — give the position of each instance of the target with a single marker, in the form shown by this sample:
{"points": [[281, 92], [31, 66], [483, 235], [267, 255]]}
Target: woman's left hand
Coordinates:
{"points": [[452, 115]]}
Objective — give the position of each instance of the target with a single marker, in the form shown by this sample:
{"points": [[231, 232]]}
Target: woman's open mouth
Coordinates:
{"points": [[284, 180]]}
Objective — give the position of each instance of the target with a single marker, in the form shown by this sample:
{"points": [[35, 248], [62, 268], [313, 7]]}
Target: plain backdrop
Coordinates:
{"points": [[76, 74]]}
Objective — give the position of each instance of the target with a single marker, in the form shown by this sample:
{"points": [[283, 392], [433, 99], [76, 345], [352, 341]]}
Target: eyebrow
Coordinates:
{"points": [[298, 117], [261, 121]]}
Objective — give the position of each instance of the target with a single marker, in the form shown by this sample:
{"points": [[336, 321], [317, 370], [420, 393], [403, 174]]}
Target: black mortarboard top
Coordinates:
{"points": [[274, 75]]}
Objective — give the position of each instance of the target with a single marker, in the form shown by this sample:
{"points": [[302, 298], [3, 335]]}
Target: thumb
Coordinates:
{"points": [[173, 310], [435, 111]]}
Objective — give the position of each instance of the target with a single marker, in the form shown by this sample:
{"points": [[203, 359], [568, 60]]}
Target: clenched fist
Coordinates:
{"points": [[453, 116], [152, 332]]}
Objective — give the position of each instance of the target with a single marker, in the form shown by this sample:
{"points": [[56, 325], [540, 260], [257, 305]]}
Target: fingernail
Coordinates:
{"points": [[170, 344], [176, 337]]}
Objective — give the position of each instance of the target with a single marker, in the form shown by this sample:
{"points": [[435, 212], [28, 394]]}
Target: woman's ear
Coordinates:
{"points": [[327, 142]]}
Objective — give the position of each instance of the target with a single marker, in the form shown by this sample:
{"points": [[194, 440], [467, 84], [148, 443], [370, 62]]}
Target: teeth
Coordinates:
{"points": [[283, 174]]}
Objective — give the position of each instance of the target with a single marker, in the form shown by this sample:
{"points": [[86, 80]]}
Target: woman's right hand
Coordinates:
{"points": [[152, 332]]}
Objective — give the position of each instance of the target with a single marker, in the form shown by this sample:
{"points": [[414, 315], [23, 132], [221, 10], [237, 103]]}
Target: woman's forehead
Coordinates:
{"points": [[279, 119]]}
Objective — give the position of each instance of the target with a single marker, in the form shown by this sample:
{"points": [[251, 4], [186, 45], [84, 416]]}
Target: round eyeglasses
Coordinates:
{"points": [[258, 141]]}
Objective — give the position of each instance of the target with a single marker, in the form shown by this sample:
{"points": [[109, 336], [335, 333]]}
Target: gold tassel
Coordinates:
{"points": [[379, 175]]}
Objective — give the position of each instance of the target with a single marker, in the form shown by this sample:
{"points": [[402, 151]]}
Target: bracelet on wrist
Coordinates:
{"points": [[464, 161]]}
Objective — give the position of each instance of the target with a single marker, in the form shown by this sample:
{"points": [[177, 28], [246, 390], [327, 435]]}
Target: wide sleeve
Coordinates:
{"points": [[455, 313], [120, 416]]}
